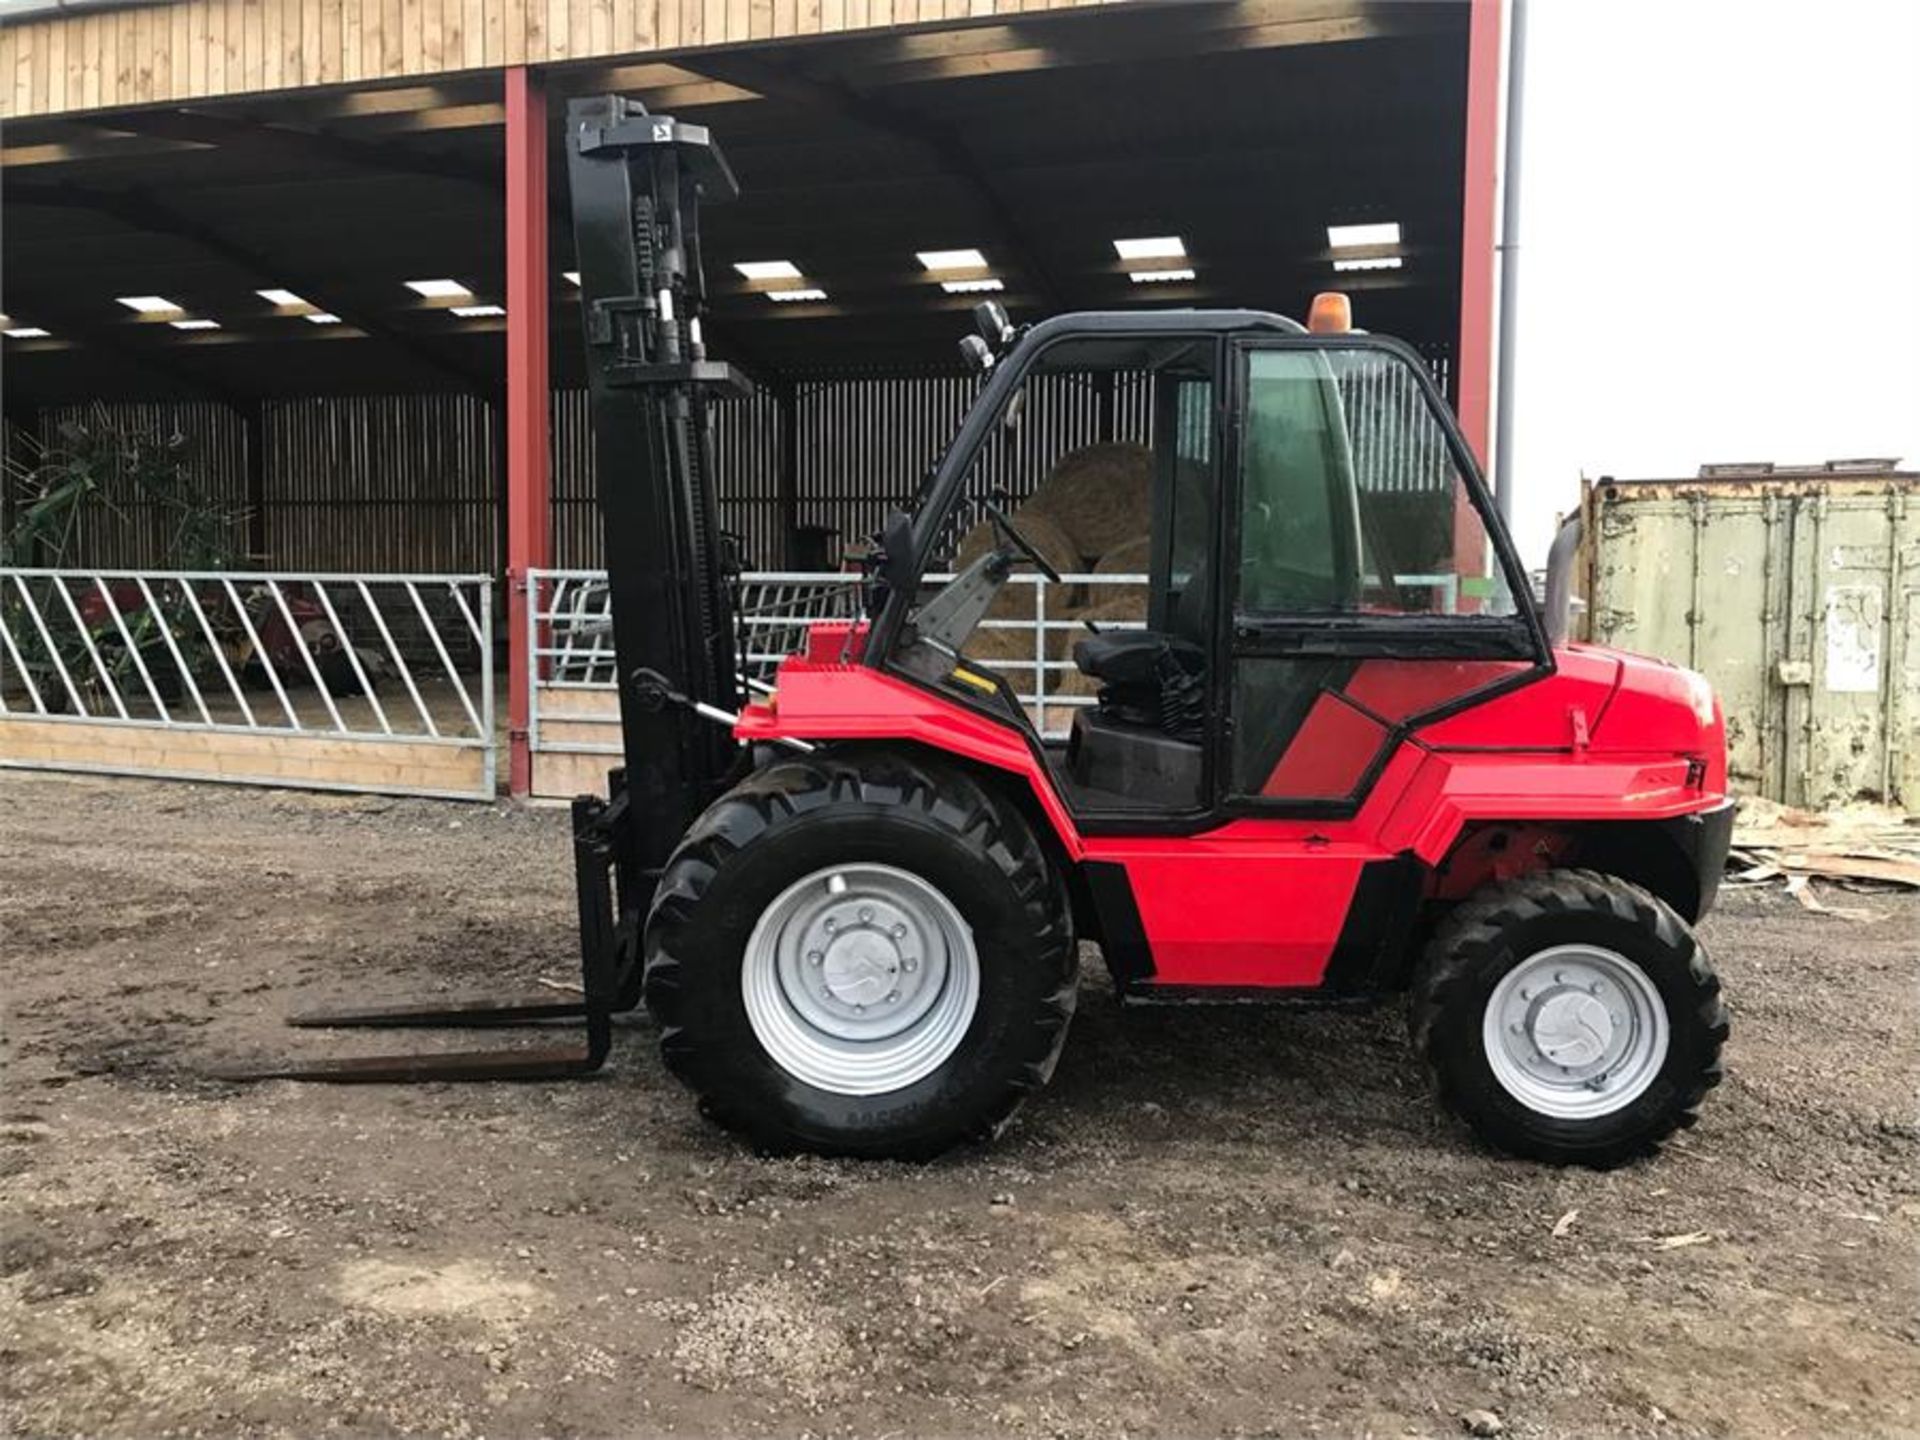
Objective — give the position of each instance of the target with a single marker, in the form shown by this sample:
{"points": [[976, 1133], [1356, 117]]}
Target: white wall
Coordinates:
{"points": [[1720, 240]]}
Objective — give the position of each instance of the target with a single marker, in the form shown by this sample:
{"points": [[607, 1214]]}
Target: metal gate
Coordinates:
{"points": [[338, 682], [573, 726]]}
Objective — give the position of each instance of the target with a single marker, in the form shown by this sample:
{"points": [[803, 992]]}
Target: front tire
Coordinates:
{"points": [[861, 955], [1569, 1017]]}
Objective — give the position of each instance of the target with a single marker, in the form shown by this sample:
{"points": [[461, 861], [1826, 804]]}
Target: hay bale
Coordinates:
{"points": [[1100, 495], [1127, 609], [1009, 654], [1015, 601], [1131, 557], [1042, 529]]}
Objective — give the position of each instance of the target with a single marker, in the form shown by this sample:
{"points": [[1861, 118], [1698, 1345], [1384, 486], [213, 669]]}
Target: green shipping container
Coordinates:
{"points": [[1794, 592]]}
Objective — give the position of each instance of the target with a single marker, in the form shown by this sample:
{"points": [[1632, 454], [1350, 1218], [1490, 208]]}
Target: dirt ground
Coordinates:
{"points": [[1235, 1223]]}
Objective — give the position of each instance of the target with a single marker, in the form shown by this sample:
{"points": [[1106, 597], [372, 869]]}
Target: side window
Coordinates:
{"points": [[1350, 506], [1183, 453], [1298, 524], [1350, 500], [1103, 451]]}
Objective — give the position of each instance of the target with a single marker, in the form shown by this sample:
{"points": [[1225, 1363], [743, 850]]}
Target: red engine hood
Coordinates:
{"points": [[1601, 699], [1657, 705]]}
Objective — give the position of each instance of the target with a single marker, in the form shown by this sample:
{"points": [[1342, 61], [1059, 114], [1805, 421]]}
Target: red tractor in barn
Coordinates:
{"points": [[1334, 754]]}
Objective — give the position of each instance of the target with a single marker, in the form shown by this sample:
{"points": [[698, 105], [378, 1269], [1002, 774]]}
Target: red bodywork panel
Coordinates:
{"points": [[1328, 759], [1262, 901]]}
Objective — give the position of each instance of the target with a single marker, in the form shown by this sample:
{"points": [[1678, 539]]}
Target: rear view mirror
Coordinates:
{"points": [[977, 353], [990, 319]]}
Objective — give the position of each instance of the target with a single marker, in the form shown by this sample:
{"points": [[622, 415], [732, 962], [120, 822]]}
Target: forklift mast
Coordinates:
{"points": [[637, 182]]}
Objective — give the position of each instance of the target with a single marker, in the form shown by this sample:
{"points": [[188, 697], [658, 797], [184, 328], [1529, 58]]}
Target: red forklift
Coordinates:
{"points": [[1341, 759]]}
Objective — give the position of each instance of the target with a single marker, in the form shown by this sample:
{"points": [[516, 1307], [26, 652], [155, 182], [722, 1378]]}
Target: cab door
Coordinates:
{"points": [[1362, 595], [1369, 595]]}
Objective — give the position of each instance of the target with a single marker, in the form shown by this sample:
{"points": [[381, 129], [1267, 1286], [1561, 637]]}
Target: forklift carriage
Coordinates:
{"points": [[1334, 756]]}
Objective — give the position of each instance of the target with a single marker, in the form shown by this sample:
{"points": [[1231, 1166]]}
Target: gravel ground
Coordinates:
{"points": [[1234, 1222]]}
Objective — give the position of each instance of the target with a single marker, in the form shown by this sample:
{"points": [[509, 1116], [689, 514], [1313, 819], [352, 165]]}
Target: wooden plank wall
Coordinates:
{"points": [[196, 49], [330, 762]]}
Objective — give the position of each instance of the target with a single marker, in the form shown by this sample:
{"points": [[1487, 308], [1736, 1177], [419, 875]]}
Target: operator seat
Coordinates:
{"points": [[1140, 745], [1136, 668]]}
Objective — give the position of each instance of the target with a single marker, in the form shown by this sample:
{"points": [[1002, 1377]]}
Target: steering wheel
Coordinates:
{"points": [[1019, 542]]}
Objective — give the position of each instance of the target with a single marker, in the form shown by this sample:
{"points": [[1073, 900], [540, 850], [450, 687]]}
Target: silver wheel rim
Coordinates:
{"points": [[860, 979], [1575, 1032]]}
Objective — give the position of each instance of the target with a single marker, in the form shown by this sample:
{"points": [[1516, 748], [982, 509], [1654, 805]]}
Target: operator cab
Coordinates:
{"points": [[1205, 560]]}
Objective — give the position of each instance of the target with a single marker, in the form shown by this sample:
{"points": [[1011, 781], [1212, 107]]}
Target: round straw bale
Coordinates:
{"points": [[1132, 557], [997, 647], [1127, 609], [1100, 495], [1015, 600]]}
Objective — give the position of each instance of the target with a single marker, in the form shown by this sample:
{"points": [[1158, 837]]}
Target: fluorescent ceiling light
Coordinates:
{"points": [[477, 312], [27, 332], [571, 276], [194, 324], [1153, 247], [1346, 237], [937, 260], [768, 269], [785, 297], [1158, 277], [280, 297], [321, 317], [984, 286], [1377, 262], [148, 304], [439, 289]]}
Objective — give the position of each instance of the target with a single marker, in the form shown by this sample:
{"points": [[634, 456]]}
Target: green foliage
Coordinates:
{"points": [[95, 466], [102, 464]]}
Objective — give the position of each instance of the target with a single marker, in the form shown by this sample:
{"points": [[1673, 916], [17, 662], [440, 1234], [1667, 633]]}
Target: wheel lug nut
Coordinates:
{"points": [[910, 965], [866, 914], [832, 925], [1518, 1029], [893, 997], [859, 1009], [899, 932], [814, 957]]}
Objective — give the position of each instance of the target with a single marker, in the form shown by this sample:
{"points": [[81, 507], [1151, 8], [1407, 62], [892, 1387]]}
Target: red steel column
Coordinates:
{"points": [[529, 529], [1473, 385]]}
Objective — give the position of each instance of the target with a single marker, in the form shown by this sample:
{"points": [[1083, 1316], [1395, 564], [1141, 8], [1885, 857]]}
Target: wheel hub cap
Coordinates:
{"points": [[1575, 1031], [860, 979]]}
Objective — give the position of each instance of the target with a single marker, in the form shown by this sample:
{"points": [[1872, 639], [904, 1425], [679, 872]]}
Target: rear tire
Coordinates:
{"points": [[781, 1026], [1569, 1017]]}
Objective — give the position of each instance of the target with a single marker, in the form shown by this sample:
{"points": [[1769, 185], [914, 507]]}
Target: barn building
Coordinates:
{"points": [[325, 243]]}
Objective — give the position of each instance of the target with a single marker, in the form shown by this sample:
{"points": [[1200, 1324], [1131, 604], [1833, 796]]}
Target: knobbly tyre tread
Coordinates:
{"points": [[1472, 939], [783, 805]]}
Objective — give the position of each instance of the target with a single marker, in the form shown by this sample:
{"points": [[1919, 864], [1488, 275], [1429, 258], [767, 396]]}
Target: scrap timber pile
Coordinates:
{"points": [[1855, 850]]}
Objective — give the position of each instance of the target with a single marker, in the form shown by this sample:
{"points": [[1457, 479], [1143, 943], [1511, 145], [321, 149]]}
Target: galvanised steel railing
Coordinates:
{"points": [[1028, 638], [403, 658]]}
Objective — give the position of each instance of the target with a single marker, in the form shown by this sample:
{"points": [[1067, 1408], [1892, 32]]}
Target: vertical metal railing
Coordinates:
{"points": [[400, 658], [1027, 638]]}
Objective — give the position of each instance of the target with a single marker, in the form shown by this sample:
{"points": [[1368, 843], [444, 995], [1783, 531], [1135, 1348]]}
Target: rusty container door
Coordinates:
{"points": [[1797, 599]]}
